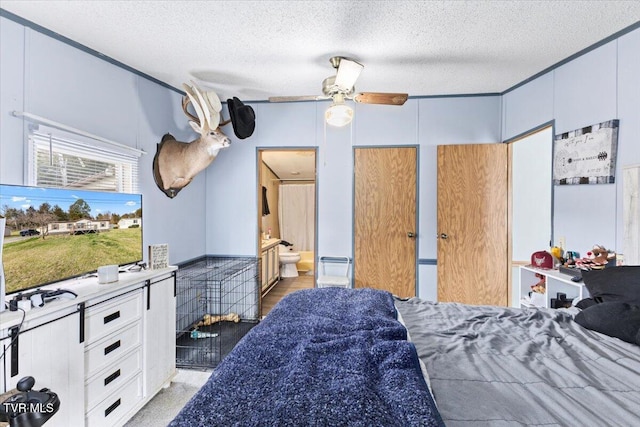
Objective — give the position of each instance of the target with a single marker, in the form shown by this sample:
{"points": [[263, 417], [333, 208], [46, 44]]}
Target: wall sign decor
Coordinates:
{"points": [[158, 256], [586, 155]]}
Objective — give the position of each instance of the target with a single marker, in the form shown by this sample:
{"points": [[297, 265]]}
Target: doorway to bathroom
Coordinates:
{"points": [[287, 207]]}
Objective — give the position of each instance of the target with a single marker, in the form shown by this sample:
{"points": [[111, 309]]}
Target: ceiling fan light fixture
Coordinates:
{"points": [[338, 114]]}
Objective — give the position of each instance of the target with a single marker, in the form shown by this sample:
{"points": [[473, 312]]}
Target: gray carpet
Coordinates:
{"points": [[168, 402]]}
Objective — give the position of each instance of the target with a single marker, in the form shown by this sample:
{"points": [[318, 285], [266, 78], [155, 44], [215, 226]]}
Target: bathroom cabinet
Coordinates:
{"points": [[270, 265]]}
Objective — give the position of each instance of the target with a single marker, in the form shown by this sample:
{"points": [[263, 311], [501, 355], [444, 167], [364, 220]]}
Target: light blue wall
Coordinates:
{"points": [[232, 208], [12, 78], [217, 212], [528, 106], [68, 86], [601, 85], [52, 79]]}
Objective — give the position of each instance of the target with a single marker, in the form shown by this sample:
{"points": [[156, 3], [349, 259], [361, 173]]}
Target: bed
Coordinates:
{"points": [[497, 366], [321, 357], [362, 357]]}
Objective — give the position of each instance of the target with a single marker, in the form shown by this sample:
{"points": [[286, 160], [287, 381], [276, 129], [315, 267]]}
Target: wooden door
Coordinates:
{"points": [[385, 219], [473, 224]]}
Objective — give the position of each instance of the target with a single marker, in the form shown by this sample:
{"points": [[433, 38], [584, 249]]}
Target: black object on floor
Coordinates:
{"points": [[208, 351]]}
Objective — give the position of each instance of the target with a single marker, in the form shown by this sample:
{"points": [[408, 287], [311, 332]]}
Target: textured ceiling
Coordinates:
{"points": [[294, 165], [257, 49]]}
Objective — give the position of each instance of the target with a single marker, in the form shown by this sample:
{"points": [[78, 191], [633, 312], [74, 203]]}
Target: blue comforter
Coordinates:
{"points": [[322, 357]]}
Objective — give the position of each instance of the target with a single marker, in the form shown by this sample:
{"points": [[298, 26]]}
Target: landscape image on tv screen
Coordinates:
{"points": [[53, 234]]}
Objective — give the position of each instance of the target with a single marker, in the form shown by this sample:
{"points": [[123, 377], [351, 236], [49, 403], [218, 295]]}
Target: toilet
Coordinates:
{"points": [[288, 260]]}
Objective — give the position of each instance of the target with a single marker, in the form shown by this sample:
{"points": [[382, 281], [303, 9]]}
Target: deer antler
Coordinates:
{"points": [[205, 110], [185, 103], [199, 105], [203, 103]]}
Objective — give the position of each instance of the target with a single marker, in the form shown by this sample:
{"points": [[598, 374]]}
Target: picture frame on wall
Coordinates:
{"points": [[586, 155]]}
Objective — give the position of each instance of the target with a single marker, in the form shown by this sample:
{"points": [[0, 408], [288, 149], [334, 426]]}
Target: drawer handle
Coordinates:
{"points": [[111, 317], [111, 408], [112, 347], [112, 377]]}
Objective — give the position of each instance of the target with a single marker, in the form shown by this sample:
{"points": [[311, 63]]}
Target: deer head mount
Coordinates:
{"points": [[177, 163]]}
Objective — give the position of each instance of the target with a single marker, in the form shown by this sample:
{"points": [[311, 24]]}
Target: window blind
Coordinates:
{"points": [[56, 160]]}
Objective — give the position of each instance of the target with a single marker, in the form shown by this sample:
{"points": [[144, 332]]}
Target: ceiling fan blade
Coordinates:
{"points": [[297, 98], [381, 98], [348, 72]]}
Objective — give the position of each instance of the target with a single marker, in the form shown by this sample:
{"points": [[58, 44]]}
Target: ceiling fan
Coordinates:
{"points": [[341, 87]]}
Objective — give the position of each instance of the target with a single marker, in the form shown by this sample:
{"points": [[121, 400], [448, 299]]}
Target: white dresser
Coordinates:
{"points": [[113, 358], [105, 353]]}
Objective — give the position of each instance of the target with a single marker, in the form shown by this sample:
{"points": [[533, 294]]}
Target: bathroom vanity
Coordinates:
{"points": [[270, 264]]}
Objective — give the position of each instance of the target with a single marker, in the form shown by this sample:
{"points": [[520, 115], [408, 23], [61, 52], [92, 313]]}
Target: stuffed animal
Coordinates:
{"points": [[210, 319], [598, 255], [596, 258], [541, 286]]}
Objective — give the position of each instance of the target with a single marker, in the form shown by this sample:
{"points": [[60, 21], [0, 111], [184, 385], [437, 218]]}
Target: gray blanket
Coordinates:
{"points": [[493, 366]]}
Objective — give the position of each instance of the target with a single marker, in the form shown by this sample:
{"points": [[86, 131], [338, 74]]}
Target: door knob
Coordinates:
{"points": [[444, 236], [411, 234]]}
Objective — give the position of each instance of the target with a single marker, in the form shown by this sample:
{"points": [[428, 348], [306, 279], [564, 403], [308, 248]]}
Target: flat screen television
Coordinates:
{"points": [[52, 234]]}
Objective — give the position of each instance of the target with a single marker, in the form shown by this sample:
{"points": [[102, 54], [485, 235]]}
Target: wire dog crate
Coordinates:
{"points": [[216, 305]]}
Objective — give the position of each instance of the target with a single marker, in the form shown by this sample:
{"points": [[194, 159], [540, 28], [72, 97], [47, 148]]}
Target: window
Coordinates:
{"points": [[59, 159]]}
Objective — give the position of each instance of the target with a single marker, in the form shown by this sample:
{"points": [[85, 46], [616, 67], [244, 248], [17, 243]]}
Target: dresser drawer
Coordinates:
{"points": [[110, 411], [109, 380], [110, 349], [105, 318]]}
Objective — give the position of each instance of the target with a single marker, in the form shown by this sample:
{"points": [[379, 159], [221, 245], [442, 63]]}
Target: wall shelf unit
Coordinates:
{"points": [[555, 282]]}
